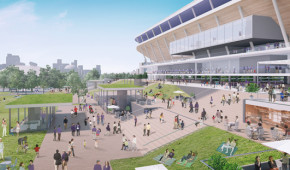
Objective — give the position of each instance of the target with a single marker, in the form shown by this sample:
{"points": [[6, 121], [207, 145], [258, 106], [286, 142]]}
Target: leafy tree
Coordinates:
{"points": [[4, 79], [32, 80], [92, 75], [44, 77], [77, 86], [16, 78]]}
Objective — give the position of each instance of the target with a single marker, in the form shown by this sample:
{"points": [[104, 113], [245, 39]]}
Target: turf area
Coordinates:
{"points": [[11, 144], [43, 98], [119, 86], [167, 90], [205, 142], [124, 81]]}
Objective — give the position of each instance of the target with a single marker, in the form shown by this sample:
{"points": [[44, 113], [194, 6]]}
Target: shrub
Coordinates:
{"points": [[217, 162], [252, 88]]}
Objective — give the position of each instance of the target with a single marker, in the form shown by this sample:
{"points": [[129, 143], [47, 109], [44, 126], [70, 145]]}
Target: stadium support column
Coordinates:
{"points": [[281, 23], [153, 52], [166, 43], [160, 51]]}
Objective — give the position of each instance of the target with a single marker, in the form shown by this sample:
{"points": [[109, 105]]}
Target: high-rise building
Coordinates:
{"points": [[12, 60], [98, 68]]}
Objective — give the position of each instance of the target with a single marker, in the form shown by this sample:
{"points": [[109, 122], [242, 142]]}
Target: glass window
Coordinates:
{"points": [[247, 27], [214, 36], [221, 34], [174, 21], [191, 42], [217, 3], [201, 40], [195, 41], [165, 26], [186, 44], [207, 38], [186, 15], [237, 30], [156, 30], [228, 32], [202, 7]]}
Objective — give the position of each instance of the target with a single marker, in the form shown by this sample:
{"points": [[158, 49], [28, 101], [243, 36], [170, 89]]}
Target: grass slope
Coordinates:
{"points": [[119, 86], [165, 90], [11, 144], [205, 142], [124, 81], [43, 98]]}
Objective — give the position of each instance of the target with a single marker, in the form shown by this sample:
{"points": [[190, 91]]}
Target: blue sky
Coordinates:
{"points": [[90, 31]]}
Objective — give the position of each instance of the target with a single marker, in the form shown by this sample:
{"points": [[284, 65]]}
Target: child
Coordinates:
{"points": [[90, 123], [98, 132], [213, 119], [36, 149], [85, 143], [126, 143], [96, 144], [25, 147]]}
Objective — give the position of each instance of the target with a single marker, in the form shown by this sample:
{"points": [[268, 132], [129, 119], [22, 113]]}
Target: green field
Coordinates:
{"points": [[124, 81], [166, 90], [43, 98], [204, 142], [119, 86], [11, 144]]}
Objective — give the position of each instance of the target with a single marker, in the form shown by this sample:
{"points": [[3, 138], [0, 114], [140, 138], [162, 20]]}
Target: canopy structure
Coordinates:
{"points": [[113, 107], [282, 145], [178, 92], [275, 62], [152, 167]]}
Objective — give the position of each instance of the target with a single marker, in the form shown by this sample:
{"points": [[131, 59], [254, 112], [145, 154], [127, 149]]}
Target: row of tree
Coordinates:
{"points": [[124, 76], [13, 78]]}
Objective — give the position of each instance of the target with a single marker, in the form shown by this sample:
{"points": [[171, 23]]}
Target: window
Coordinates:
{"points": [[186, 15]]}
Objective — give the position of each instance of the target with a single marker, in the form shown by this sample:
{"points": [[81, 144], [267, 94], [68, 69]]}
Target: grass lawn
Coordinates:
{"points": [[43, 98], [124, 81], [165, 90], [119, 86], [205, 142], [11, 144]]}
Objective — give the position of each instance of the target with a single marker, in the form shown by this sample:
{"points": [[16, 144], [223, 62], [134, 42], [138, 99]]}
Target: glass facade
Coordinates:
{"points": [[233, 31]]}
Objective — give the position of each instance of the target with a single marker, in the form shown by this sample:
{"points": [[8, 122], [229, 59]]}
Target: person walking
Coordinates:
{"points": [[203, 114], [123, 141], [102, 119], [78, 128], [134, 143], [238, 98], [135, 121], [73, 129], [190, 107], [148, 128], [270, 93], [211, 101], [76, 111], [144, 130], [57, 159], [64, 159], [229, 99], [58, 133], [65, 122], [108, 129], [234, 97], [4, 126], [223, 100], [196, 107], [119, 128], [94, 132], [72, 147], [86, 121], [114, 128]]}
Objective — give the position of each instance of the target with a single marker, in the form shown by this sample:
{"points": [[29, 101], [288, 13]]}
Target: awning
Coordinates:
{"points": [[282, 145], [152, 167]]}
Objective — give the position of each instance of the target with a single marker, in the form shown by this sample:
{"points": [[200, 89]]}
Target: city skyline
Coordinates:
{"points": [[43, 32]]}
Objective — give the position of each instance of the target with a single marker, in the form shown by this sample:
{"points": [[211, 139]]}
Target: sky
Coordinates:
{"points": [[94, 32]]}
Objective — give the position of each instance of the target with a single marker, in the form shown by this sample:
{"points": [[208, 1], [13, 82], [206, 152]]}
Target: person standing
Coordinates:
{"points": [[148, 128], [134, 143], [238, 97], [86, 121], [270, 93], [98, 166], [73, 129], [98, 119], [234, 97], [94, 120], [65, 122], [144, 130], [229, 99], [57, 159], [76, 111], [106, 166], [285, 161], [108, 129], [31, 165], [135, 121], [102, 119], [223, 100], [272, 163], [58, 132], [1, 149], [203, 114], [211, 101], [190, 107], [4, 126], [64, 159], [258, 163], [17, 128], [94, 132], [114, 128], [78, 128], [123, 141]]}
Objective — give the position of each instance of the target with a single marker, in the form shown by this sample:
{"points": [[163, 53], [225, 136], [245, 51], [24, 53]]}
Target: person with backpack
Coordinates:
{"points": [[57, 159]]}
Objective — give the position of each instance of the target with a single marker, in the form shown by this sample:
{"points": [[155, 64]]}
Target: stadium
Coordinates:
{"points": [[219, 41]]}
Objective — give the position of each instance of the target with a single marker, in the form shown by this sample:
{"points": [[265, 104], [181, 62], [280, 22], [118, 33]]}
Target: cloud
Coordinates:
{"points": [[18, 14], [63, 14]]}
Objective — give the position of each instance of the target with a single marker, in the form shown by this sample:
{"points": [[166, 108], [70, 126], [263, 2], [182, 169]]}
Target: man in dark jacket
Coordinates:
{"points": [[78, 127], [57, 159], [65, 122], [98, 166]]}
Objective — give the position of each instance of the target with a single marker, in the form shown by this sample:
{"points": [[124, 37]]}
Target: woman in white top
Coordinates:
{"points": [[134, 143], [1, 149], [17, 128]]}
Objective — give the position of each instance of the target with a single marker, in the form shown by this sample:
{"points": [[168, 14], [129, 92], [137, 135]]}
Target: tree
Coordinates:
{"points": [[32, 80], [4, 79], [252, 88], [44, 77], [77, 86], [16, 78], [92, 75]]}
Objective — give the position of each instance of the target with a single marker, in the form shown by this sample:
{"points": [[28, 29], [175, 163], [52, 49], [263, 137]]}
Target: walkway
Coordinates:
{"points": [[109, 146]]}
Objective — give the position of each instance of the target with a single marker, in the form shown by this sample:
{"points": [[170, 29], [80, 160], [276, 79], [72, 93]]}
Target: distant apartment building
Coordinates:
{"points": [[12, 60]]}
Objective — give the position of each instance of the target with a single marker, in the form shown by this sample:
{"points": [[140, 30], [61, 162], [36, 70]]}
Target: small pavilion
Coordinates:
{"points": [[123, 94]]}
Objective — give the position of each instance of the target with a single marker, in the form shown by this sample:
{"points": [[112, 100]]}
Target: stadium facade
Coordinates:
{"points": [[214, 40]]}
